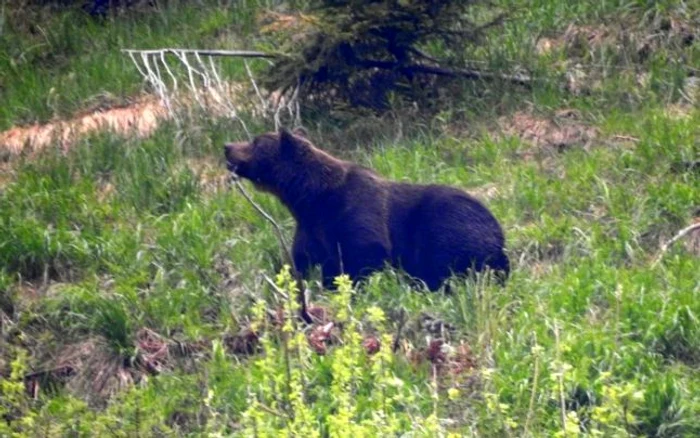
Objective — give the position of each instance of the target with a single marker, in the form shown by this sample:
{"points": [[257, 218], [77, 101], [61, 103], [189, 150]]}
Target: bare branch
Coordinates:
{"points": [[280, 236], [269, 410], [255, 86], [303, 311], [665, 247], [518, 79], [276, 289], [234, 53]]}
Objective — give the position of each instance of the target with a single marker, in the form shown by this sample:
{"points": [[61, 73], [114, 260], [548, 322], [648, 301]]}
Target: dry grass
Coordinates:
{"points": [[558, 133]]}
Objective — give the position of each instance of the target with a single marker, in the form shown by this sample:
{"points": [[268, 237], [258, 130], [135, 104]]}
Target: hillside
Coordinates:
{"points": [[142, 295]]}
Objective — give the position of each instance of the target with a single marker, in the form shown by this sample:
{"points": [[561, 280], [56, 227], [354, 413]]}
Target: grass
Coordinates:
{"points": [[131, 262]]}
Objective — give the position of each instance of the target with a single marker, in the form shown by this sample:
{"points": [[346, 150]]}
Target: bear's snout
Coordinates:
{"points": [[235, 154]]}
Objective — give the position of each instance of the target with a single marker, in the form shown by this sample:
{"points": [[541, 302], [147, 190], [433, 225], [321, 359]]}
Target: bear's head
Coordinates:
{"points": [[270, 160]]}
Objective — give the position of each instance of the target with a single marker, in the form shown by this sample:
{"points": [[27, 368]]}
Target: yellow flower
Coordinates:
{"points": [[375, 315], [453, 393]]}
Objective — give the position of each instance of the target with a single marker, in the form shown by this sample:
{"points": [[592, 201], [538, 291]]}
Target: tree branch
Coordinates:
{"points": [[665, 247]]}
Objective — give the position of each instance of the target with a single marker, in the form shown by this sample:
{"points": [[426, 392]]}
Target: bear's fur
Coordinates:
{"points": [[351, 220]]}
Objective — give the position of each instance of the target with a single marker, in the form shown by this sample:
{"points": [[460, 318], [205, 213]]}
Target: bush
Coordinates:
{"points": [[360, 52]]}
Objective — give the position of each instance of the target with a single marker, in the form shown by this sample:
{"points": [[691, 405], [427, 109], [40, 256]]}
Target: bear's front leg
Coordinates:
{"points": [[308, 253], [361, 260], [304, 253]]}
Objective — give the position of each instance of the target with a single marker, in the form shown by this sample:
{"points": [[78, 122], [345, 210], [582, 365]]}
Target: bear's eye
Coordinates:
{"points": [[259, 144]]}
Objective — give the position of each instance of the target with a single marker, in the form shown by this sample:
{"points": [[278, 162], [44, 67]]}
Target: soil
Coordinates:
{"points": [[141, 117]]}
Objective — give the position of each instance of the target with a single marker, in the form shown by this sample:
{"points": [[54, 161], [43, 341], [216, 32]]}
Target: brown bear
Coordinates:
{"points": [[351, 220]]}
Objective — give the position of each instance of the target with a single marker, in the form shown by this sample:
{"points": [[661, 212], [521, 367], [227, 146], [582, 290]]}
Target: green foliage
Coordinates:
{"points": [[291, 399], [15, 406]]}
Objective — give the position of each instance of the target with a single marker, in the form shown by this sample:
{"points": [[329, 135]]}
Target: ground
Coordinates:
{"points": [[139, 294]]}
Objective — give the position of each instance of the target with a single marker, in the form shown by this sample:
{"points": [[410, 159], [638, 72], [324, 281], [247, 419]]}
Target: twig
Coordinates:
{"points": [[280, 236], [183, 58], [5, 320], [138, 67], [560, 378], [626, 137], [205, 78], [276, 289], [31, 380], [255, 86], [167, 68], [269, 410], [535, 382], [665, 247], [435, 394], [65, 370]]}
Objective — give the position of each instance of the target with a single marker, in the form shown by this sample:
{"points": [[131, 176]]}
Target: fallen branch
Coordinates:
{"points": [[518, 79], [176, 52], [34, 380], [665, 247], [61, 371]]}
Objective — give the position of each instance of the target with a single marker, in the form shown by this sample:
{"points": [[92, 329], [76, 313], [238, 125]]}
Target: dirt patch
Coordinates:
{"points": [[140, 118], [559, 133]]}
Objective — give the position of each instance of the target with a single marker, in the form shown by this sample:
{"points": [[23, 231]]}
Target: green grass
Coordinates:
{"points": [[122, 234]]}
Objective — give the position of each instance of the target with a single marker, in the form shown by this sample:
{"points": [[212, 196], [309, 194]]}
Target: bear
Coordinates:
{"points": [[351, 220]]}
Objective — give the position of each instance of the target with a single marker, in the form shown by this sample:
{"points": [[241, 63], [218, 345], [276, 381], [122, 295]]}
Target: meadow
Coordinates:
{"points": [[142, 295]]}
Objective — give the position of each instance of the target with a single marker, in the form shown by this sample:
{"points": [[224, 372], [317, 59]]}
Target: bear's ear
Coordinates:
{"points": [[300, 131], [291, 146]]}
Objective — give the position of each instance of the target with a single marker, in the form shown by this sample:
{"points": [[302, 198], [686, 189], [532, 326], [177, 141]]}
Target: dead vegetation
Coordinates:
{"points": [[634, 39], [92, 369], [558, 133], [592, 53]]}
